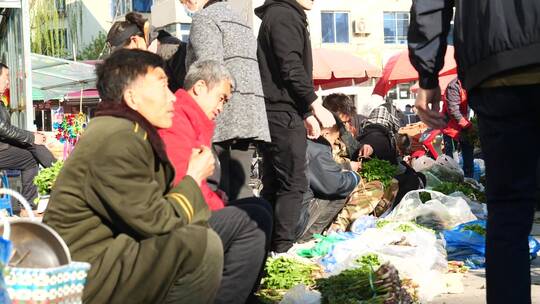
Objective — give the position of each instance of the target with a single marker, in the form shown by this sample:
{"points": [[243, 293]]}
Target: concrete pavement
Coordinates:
{"points": [[474, 282]]}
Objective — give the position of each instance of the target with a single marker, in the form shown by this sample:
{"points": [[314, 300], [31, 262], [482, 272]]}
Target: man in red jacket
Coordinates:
{"points": [[244, 225]]}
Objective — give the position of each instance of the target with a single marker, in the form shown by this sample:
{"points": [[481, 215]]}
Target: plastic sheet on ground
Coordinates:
{"points": [[362, 223], [469, 246], [300, 294], [442, 212], [417, 254], [478, 209], [322, 245]]}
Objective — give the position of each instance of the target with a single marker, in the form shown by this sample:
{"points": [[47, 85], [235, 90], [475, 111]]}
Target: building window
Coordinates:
{"points": [[120, 7], [142, 6], [400, 92], [335, 27], [396, 25], [179, 30], [60, 5], [184, 31]]}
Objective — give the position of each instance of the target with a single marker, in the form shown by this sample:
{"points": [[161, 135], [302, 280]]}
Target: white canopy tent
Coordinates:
{"points": [[57, 77]]}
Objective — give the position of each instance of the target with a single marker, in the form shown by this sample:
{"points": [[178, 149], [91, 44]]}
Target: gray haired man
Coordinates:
{"points": [[245, 225]]}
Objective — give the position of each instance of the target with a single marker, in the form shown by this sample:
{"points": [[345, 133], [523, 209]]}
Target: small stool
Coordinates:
{"points": [[5, 201]]}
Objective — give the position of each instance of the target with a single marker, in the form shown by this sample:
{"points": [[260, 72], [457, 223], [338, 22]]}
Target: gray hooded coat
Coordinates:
{"points": [[217, 33]]}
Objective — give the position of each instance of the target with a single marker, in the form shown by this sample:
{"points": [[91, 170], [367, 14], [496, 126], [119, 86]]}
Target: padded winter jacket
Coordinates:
{"points": [[285, 57], [9, 134], [490, 36]]}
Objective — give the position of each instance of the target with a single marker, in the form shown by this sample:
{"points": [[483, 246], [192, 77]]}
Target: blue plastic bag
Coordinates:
{"points": [[362, 223], [470, 247], [5, 254], [329, 261]]}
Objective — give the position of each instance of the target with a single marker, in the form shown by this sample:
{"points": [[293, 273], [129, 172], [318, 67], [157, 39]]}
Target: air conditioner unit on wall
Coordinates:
{"points": [[359, 27]]}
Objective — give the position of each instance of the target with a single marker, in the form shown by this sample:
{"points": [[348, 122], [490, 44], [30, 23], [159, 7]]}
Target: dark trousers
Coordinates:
{"points": [[245, 229], [317, 215], [467, 152], [201, 285], [27, 160], [509, 125], [235, 164], [284, 175]]}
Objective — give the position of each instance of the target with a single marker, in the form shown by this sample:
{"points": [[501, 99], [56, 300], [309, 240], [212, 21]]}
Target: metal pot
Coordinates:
{"points": [[36, 245]]}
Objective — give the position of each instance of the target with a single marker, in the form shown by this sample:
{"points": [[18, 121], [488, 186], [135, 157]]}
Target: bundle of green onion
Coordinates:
{"points": [[364, 286]]}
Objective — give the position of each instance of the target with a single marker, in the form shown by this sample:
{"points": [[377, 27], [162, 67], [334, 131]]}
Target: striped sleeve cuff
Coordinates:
{"points": [[188, 197]]}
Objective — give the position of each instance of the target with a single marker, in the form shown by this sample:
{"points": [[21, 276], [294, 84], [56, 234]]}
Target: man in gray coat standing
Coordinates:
{"points": [[218, 33]]}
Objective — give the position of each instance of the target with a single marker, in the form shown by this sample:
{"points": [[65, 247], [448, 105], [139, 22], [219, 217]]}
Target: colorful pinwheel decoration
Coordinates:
{"points": [[69, 131]]}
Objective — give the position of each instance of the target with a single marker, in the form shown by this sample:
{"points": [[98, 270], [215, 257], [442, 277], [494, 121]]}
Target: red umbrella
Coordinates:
{"points": [[333, 68], [398, 69], [443, 83]]}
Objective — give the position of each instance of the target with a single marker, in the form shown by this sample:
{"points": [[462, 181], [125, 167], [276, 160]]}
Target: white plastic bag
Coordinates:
{"points": [[447, 169], [416, 254], [478, 209], [432, 181], [300, 294], [422, 163], [440, 213]]}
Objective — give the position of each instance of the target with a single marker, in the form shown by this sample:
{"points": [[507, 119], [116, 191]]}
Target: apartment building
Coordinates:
{"points": [[15, 52], [375, 30], [99, 15]]}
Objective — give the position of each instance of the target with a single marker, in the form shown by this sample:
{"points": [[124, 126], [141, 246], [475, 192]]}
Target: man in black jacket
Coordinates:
{"points": [[20, 149], [498, 54], [285, 62]]}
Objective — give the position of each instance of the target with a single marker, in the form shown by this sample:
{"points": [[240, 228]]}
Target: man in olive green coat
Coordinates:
{"points": [[114, 203]]}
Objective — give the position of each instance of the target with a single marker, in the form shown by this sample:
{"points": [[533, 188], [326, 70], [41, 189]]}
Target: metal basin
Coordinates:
{"points": [[35, 245]]}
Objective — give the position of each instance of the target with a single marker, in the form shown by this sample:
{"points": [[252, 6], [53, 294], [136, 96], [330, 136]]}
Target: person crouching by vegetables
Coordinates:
{"points": [[379, 131], [329, 185], [347, 147], [115, 203], [244, 225]]}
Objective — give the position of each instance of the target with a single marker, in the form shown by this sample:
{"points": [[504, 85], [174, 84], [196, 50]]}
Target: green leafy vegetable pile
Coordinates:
{"points": [[405, 227], [382, 223], [46, 178], [282, 274], [369, 262], [424, 197], [378, 170], [471, 134], [450, 187], [363, 286], [476, 228]]}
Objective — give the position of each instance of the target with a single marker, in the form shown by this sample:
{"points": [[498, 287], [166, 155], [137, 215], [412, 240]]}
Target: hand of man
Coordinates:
{"points": [[39, 138], [365, 151], [224, 197], [312, 126], [324, 116], [464, 123], [201, 164], [356, 166], [430, 117]]}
